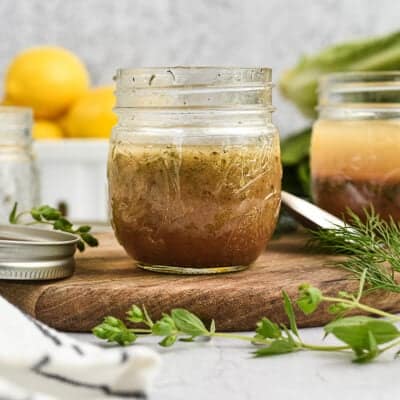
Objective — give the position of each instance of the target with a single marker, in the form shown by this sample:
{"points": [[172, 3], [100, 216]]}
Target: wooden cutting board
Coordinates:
{"points": [[106, 282]]}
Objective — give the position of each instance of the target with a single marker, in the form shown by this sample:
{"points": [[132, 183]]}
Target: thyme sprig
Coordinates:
{"points": [[51, 216], [371, 244], [365, 337]]}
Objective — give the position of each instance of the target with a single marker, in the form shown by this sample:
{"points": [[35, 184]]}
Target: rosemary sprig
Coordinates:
{"points": [[372, 246], [365, 337], [51, 216]]}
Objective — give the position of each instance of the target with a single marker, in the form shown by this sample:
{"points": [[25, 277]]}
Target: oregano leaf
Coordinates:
{"points": [[287, 303], [188, 323], [279, 346]]}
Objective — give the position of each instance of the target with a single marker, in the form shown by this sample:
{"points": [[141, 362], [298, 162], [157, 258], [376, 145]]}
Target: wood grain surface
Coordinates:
{"points": [[106, 282]]}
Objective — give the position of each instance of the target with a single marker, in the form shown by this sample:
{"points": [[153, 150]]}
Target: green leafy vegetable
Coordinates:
{"points": [[296, 173], [299, 84], [295, 152], [53, 217], [296, 148], [304, 176]]}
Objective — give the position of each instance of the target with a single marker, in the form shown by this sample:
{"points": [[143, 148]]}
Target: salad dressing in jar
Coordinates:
{"points": [[355, 147], [194, 167]]}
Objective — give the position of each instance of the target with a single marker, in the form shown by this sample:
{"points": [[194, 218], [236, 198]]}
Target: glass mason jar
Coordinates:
{"points": [[18, 173], [194, 167], [355, 147]]}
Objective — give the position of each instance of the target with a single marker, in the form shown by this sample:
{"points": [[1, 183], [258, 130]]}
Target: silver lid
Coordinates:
{"points": [[35, 254]]}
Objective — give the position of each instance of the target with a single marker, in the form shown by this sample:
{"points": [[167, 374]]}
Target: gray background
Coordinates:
{"points": [[108, 34]]}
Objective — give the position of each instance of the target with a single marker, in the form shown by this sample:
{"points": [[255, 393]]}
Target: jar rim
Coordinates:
{"points": [[15, 124], [360, 76], [193, 68], [180, 76], [16, 115], [192, 88], [358, 82], [363, 93], [17, 110]]}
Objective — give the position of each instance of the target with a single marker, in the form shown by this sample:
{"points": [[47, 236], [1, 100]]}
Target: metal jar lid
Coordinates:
{"points": [[35, 254]]}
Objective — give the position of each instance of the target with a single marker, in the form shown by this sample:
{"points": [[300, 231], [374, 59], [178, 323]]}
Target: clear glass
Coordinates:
{"points": [[18, 173], [194, 168], [355, 144]]}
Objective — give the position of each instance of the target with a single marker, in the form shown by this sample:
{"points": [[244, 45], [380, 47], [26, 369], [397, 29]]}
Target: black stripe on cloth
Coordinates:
{"points": [[56, 340], [135, 394], [46, 332], [124, 357], [78, 349]]}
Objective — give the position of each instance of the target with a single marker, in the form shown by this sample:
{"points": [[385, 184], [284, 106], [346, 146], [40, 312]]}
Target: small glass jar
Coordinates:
{"points": [[355, 147], [18, 173], [194, 167]]}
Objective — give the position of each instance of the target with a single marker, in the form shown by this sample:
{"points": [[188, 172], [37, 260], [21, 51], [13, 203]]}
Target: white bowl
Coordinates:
{"points": [[73, 173]]}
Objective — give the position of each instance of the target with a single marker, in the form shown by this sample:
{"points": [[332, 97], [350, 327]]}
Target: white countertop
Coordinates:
{"points": [[223, 369]]}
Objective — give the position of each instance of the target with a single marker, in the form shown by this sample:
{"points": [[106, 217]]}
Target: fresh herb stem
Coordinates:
{"points": [[20, 215], [370, 244], [38, 223], [251, 339], [141, 331], [239, 337], [362, 307], [268, 342], [316, 347], [147, 320], [390, 346]]}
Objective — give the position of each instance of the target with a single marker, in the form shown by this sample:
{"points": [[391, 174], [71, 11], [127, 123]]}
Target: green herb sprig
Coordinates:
{"points": [[51, 216], [371, 244], [365, 337]]}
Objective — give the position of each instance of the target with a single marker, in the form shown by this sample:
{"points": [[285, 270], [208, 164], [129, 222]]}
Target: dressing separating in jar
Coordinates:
{"points": [[194, 167], [355, 147]]}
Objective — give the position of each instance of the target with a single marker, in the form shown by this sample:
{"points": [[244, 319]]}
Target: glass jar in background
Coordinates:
{"points": [[355, 147], [194, 167], [18, 173]]}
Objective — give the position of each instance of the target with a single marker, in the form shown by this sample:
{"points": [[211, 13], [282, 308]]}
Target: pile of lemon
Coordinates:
{"points": [[56, 85]]}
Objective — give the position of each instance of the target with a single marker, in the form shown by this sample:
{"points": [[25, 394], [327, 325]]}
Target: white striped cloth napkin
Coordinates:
{"points": [[39, 363]]}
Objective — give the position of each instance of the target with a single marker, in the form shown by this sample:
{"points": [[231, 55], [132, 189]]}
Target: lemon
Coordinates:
{"points": [[91, 116], [6, 102], [48, 79], [62, 122], [43, 129]]}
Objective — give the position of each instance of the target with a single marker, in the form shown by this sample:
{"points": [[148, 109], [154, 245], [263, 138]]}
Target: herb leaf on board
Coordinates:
{"points": [[47, 215]]}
